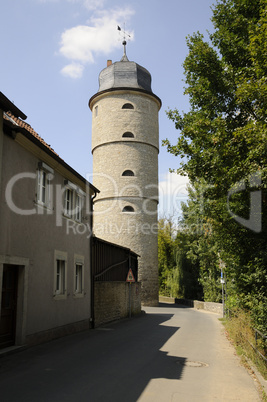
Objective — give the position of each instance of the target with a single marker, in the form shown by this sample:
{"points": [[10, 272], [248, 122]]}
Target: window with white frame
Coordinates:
{"points": [[78, 208], [73, 201], [60, 275], [78, 275], [68, 209], [44, 176], [78, 278]]}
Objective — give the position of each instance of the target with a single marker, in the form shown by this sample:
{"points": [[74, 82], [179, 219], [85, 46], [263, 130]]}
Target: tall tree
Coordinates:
{"points": [[166, 260], [223, 141]]}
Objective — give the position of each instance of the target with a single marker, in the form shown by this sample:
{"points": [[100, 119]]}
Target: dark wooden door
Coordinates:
{"points": [[8, 305]]}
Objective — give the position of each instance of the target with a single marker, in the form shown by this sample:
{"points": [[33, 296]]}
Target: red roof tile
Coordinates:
{"points": [[28, 127]]}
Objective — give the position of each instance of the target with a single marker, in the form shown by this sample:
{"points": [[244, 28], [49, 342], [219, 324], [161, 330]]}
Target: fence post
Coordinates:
{"points": [[130, 307]]}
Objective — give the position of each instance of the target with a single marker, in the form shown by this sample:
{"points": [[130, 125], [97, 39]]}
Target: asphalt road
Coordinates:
{"points": [[172, 353]]}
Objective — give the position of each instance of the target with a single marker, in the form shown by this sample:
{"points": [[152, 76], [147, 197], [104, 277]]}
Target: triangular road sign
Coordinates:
{"points": [[130, 277]]}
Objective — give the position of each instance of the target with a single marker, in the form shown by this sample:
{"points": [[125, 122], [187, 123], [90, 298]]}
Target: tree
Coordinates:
{"points": [[222, 140], [166, 261], [200, 262]]}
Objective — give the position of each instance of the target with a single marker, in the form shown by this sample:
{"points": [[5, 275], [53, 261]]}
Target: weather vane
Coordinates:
{"points": [[125, 34]]}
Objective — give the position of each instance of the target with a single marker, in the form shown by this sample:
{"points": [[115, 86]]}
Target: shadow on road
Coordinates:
{"points": [[112, 364]]}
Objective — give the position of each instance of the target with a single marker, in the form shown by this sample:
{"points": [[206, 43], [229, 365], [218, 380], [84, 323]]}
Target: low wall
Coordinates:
{"points": [[111, 301], [199, 305], [166, 299]]}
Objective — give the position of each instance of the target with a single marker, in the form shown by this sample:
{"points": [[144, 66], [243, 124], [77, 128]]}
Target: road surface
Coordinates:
{"points": [[172, 353]]}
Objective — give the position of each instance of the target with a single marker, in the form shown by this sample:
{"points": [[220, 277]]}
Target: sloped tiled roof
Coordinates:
{"points": [[18, 122], [15, 122], [6, 104]]}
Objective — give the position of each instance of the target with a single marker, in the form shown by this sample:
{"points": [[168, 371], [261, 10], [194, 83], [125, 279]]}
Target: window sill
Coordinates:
{"points": [[60, 297], [72, 219], [45, 207], [78, 295]]}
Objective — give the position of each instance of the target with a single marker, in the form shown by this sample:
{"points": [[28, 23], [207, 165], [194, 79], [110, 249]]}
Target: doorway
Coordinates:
{"points": [[8, 305]]}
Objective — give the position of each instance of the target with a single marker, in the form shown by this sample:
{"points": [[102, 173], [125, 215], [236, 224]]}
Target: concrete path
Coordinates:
{"points": [[211, 369], [172, 353]]}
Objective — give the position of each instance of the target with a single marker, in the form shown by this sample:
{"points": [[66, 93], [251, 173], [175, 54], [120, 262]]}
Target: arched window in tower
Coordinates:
{"points": [[127, 106], [128, 173], [127, 135], [128, 208]]}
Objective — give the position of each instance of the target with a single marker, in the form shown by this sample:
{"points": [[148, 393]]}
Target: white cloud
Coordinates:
{"points": [[84, 42], [172, 192], [48, 1], [73, 70], [93, 4], [89, 4]]}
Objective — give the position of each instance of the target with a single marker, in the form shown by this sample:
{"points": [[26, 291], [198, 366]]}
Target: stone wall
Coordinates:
{"points": [[111, 301], [201, 305], [198, 305], [125, 210]]}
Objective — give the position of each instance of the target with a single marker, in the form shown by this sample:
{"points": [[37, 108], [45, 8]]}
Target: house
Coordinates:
{"points": [[45, 237]]}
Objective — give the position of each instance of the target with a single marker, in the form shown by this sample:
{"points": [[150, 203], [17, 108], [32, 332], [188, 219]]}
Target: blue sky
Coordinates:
{"points": [[53, 50]]}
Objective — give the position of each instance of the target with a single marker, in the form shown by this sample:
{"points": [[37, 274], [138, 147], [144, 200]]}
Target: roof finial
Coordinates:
{"points": [[124, 57]]}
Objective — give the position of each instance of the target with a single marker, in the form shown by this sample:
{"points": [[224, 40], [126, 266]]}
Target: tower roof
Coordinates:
{"points": [[126, 74]]}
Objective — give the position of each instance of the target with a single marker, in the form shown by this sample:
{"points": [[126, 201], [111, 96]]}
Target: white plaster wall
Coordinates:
{"points": [[36, 237]]}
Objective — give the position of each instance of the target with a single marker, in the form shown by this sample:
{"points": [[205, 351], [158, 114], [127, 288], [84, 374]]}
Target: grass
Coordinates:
{"points": [[240, 331]]}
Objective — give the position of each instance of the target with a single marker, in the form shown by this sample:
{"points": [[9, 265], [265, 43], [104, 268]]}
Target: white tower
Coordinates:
{"points": [[125, 146]]}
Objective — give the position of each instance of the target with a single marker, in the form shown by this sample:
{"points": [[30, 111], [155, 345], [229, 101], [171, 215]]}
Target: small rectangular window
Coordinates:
{"points": [[78, 278], [78, 208], [73, 201], [44, 189], [68, 202], [96, 111], [42, 186], [78, 287], [60, 275]]}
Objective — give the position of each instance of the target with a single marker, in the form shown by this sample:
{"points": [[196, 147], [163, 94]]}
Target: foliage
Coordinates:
{"points": [[165, 255], [178, 275], [239, 325], [197, 242], [222, 144]]}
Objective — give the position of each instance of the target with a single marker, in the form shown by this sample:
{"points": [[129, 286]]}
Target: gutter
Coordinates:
{"points": [[92, 315]]}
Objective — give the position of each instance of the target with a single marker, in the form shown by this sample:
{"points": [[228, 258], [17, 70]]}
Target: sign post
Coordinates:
{"points": [[130, 279]]}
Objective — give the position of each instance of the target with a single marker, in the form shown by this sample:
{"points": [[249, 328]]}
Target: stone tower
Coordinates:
{"points": [[125, 146]]}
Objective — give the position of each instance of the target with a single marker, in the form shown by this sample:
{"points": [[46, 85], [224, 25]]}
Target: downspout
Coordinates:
{"points": [[1, 147], [92, 317]]}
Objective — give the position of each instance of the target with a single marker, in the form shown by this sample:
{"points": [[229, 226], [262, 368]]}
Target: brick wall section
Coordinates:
{"points": [[112, 301]]}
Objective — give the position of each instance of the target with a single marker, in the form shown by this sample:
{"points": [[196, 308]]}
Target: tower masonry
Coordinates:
{"points": [[125, 146]]}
